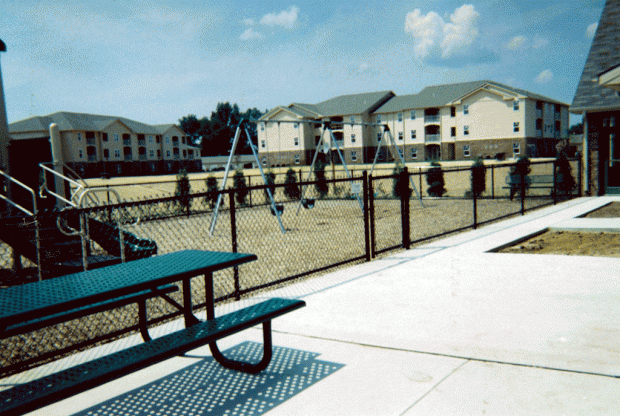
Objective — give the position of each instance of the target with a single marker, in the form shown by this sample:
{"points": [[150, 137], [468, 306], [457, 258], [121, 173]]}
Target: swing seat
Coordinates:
{"points": [[307, 203], [279, 208]]}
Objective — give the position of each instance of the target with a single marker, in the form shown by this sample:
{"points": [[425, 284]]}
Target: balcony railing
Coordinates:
{"points": [[431, 118], [90, 140], [92, 158], [142, 157], [538, 113], [141, 142], [432, 138], [127, 158], [538, 133], [127, 142], [340, 143]]}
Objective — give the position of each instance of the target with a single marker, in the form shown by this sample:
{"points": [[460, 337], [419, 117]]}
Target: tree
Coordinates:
{"points": [[270, 180], [519, 181], [189, 124], [401, 185], [576, 128], [565, 183], [211, 184], [182, 191], [322, 188], [291, 190], [435, 180], [478, 178], [241, 187]]}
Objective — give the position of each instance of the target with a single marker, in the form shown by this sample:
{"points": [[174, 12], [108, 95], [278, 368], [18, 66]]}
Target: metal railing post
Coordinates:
{"points": [[371, 216], [404, 210], [233, 240], [366, 216]]}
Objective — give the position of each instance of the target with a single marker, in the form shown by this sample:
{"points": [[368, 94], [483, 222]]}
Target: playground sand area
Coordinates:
{"points": [[597, 244]]}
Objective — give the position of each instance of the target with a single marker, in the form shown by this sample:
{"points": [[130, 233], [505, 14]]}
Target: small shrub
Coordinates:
{"points": [[401, 186], [520, 169], [291, 190], [211, 185], [182, 191], [435, 180], [322, 188], [270, 180], [241, 187], [563, 170], [478, 178]]}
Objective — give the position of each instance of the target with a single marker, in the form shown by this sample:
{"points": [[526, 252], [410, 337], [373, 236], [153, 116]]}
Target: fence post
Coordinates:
{"points": [[492, 182], [233, 239], [579, 178], [371, 216], [475, 200], [522, 186], [404, 211], [366, 216]]}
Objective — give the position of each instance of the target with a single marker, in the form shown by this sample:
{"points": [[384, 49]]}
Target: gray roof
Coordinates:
{"points": [[67, 121], [604, 55], [440, 95], [354, 103]]}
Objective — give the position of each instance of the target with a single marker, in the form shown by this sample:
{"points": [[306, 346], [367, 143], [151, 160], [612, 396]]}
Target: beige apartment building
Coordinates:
{"points": [[444, 122], [95, 145]]}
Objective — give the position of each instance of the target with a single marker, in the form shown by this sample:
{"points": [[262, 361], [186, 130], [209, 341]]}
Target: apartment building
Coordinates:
{"points": [[95, 145], [598, 99], [444, 122]]}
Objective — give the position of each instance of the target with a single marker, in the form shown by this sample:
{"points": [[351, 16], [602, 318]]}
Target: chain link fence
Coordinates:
{"points": [[310, 227]]}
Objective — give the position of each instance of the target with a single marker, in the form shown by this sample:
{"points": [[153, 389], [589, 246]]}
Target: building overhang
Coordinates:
{"points": [[610, 78], [504, 94]]}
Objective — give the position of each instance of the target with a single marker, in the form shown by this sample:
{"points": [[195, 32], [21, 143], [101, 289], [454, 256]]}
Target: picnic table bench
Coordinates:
{"points": [[36, 305], [534, 181]]}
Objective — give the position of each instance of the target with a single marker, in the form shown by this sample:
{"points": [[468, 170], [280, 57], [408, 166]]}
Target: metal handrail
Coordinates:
{"points": [[27, 188], [79, 188]]}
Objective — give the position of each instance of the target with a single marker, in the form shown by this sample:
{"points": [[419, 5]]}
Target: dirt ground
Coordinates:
{"points": [[596, 244]]}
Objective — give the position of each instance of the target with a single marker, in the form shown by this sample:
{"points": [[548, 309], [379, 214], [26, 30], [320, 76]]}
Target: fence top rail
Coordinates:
{"points": [[24, 186]]}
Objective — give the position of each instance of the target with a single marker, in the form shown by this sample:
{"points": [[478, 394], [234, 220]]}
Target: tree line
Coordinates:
{"points": [[218, 130]]}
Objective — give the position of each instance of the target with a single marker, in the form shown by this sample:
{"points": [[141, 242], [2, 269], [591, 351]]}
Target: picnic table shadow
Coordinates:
{"points": [[208, 388]]}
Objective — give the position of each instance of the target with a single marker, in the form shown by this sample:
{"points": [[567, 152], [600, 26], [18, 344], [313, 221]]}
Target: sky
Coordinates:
{"points": [[155, 61]]}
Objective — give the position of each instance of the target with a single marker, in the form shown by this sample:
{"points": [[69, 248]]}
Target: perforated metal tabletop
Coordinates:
{"points": [[29, 301]]}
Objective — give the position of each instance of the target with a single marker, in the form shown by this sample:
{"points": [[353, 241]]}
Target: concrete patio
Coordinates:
{"points": [[446, 328]]}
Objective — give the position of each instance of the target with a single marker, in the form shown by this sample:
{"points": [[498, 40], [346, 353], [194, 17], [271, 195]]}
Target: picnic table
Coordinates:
{"points": [[39, 304]]}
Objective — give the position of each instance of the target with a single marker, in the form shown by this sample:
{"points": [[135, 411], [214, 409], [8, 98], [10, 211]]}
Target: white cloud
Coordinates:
{"points": [[285, 18], [363, 68], [516, 42], [433, 35], [248, 22], [540, 42], [249, 34], [591, 30], [544, 77]]}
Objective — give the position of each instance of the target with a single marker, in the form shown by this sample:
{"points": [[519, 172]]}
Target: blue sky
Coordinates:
{"points": [[156, 61]]}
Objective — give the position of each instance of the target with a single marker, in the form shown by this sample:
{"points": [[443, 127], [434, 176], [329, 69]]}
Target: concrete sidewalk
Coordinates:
{"points": [[446, 328]]}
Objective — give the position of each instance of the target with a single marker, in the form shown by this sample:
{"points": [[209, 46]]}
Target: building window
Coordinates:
{"points": [[515, 105], [80, 154], [413, 114], [296, 141], [466, 151], [354, 156], [167, 153], [466, 130], [557, 126], [516, 148], [106, 153], [151, 153], [352, 119], [465, 108], [414, 153], [262, 144], [167, 139], [400, 135], [380, 158], [353, 138], [378, 118], [264, 160], [452, 111], [297, 160], [104, 137], [400, 117], [158, 153], [262, 126], [413, 134], [400, 153], [296, 125], [378, 137], [452, 131], [80, 138], [515, 126], [116, 138]]}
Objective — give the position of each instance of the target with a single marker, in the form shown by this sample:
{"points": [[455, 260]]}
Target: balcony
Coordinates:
{"points": [[142, 157], [539, 113], [126, 142], [141, 142], [431, 118], [432, 138], [339, 143], [127, 158], [92, 158], [90, 141]]}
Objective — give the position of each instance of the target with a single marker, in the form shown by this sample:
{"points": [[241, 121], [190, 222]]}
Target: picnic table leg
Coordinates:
{"points": [[190, 319], [215, 351]]}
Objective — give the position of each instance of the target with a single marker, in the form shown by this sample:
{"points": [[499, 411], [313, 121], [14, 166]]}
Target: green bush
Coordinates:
{"points": [[401, 186], [322, 188], [435, 180], [520, 169], [478, 178], [566, 185], [211, 185], [182, 191], [291, 190], [241, 187], [270, 180]]}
